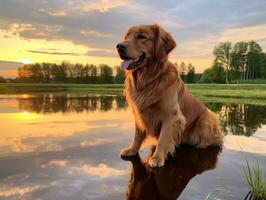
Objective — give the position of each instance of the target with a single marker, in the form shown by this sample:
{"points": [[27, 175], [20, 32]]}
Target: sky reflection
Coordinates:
{"points": [[33, 132], [70, 150]]}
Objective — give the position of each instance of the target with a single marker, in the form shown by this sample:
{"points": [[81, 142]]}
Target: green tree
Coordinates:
{"points": [[46, 69], [219, 75], [25, 73], [263, 65], [191, 77], [86, 72], [239, 60], [182, 70], [106, 74], [36, 73], [120, 75], [254, 61], [2, 79], [207, 76], [222, 53], [70, 73], [59, 73], [93, 74], [79, 73], [215, 74]]}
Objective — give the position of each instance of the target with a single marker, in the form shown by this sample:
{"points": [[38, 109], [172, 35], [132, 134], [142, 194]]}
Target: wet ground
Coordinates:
{"points": [[65, 146]]}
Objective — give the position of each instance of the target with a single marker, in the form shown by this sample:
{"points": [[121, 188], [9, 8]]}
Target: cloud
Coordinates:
{"points": [[100, 24], [54, 52], [102, 170], [203, 48], [7, 191], [91, 52], [57, 13], [9, 69], [101, 6], [9, 65], [245, 144], [101, 53]]}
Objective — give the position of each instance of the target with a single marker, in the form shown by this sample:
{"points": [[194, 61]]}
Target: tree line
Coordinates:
{"points": [[69, 73], [89, 73], [187, 72], [241, 62], [234, 63]]}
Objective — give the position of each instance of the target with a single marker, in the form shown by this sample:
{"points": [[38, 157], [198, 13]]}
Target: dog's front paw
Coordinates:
{"points": [[128, 152], [156, 161]]}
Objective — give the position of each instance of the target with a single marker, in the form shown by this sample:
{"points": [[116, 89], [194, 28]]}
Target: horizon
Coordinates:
{"points": [[87, 32]]}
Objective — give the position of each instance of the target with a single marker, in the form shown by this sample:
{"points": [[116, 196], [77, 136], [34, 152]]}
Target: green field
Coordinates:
{"points": [[18, 88], [250, 91], [232, 92]]}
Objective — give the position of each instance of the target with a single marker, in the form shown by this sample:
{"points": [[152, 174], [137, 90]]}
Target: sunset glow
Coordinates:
{"points": [[87, 32], [26, 116], [25, 61]]}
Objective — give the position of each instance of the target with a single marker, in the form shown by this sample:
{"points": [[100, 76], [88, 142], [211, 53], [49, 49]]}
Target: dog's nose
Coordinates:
{"points": [[121, 46]]}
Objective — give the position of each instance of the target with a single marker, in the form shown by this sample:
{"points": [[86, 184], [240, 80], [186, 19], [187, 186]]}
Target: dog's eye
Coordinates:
{"points": [[141, 37]]}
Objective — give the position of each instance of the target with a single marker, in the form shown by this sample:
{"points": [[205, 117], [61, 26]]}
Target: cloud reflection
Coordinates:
{"points": [[17, 192], [101, 171]]}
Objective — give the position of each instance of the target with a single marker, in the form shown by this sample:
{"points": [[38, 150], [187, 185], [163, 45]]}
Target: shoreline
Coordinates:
{"points": [[236, 91]]}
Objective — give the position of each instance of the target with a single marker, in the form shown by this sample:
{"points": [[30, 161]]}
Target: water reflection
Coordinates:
{"points": [[53, 122], [51, 103], [169, 182], [237, 119], [66, 146]]}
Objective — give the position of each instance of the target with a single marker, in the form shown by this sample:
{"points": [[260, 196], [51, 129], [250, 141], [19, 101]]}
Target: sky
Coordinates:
{"points": [[80, 31]]}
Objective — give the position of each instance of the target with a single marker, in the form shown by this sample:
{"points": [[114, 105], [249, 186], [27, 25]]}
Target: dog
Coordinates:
{"points": [[169, 182], [162, 106]]}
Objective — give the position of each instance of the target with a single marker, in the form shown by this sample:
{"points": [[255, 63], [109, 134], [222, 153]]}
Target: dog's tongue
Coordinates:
{"points": [[125, 64]]}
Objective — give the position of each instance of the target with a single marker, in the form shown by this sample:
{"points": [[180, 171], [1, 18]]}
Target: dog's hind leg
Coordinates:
{"points": [[207, 132]]}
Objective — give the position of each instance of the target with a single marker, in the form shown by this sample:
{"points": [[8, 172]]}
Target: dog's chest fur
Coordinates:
{"points": [[150, 118]]}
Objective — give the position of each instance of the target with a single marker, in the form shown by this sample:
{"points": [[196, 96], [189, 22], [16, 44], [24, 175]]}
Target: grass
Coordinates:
{"points": [[231, 92], [231, 100], [14, 88], [256, 181], [254, 81], [208, 196], [241, 93]]}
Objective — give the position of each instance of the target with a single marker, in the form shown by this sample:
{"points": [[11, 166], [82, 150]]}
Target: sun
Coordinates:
{"points": [[26, 61], [26, 115]]}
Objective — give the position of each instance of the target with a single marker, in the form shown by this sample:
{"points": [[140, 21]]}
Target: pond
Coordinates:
{"points": [[66, 146]]}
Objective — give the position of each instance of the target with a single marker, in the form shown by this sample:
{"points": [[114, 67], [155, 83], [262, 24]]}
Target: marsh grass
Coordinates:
{"points": [[256, 181], [208, 196]]}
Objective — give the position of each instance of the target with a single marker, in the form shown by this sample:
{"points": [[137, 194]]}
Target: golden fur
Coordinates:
{"points": [[162, 106]]}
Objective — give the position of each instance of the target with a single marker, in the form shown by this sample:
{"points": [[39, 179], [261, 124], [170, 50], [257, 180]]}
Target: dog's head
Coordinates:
{"points": [[144, 44]]}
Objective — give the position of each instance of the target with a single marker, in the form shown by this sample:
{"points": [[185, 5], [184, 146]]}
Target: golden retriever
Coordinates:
{"points": [[162, 106]]}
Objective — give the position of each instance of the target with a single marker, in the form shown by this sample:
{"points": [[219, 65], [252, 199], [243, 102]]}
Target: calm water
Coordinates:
{"points": [[66, 146]]}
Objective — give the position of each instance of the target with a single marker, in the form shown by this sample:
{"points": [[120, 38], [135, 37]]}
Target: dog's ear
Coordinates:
{"points": [[163, 42]]}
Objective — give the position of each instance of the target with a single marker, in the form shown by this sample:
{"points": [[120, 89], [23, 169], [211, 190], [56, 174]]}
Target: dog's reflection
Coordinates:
{"points": [[169, 181]]}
